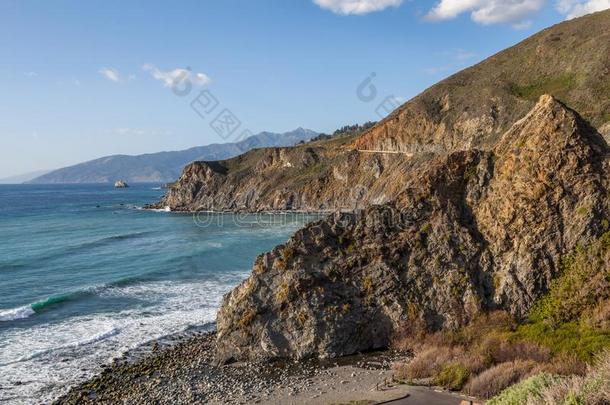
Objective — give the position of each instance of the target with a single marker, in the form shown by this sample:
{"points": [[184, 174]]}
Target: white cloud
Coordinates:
{"points": [[577, 8], [110, 74], [487, 12], [175, 76], [30, 74], [346, 7]]}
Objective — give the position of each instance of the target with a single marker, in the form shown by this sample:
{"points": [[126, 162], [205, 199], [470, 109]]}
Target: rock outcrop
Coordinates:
{"points": [[474, 107], [321, 176], [469, 110], [477, 230]]}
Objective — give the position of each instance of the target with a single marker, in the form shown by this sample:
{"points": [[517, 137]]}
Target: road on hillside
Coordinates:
{"points": [[428, 396]]}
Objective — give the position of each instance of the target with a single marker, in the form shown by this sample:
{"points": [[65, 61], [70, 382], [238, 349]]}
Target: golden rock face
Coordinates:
{"points": [[472, 231]]}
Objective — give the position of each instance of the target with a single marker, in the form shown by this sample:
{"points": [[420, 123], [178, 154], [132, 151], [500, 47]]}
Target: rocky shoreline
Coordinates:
{"points": [[184, 372]]}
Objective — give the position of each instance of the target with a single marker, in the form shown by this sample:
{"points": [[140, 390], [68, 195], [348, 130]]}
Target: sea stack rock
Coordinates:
{"points": [[120, 184]]}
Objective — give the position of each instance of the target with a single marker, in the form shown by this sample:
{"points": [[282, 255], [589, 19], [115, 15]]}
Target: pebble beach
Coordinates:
{"points": [[183, 372]]}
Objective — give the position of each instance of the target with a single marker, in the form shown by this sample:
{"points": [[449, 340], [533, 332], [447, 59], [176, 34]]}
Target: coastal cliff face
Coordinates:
{"points": [[469, 110], [321, 176], [477, 230]]}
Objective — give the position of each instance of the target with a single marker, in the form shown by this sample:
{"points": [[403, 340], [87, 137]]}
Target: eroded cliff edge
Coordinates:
{"points": [[477, 230]]}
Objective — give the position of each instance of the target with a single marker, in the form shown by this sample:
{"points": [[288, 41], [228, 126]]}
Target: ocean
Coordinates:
{"points": [[87, 275]]}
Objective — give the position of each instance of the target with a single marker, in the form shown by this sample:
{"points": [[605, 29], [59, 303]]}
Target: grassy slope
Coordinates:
{"points": [[570, 61]]}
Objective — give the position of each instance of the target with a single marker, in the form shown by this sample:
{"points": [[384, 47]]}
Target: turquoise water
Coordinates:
{"points": [[86, 275]]}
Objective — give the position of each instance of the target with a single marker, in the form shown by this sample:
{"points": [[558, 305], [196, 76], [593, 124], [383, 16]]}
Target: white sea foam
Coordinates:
{"points": [[68, 352], [16, 313], [164, 209]]}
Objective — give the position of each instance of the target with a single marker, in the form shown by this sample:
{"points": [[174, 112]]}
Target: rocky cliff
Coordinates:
{"points": [[474, 107], [319, 176], [471, 109], [477, 230]]}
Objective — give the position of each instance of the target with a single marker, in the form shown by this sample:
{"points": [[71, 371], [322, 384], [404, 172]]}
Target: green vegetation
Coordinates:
{"points": [[592, 388], [346, 130], [568, 326], [569, 337], [518, 394], [583, 284], [573, 317], [453, 376], [582, 210], [555, 86]]}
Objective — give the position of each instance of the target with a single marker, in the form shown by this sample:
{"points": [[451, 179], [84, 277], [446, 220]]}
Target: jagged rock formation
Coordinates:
{"points": [[474, 107], [477, 230]]}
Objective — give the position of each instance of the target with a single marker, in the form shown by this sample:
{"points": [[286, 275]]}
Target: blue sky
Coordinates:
{"points": [[85, 79]]}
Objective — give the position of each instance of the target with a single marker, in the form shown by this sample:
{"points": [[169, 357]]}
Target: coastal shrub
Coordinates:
{"points": [[453, 376], [574, 316], [582, 210], [585, 281], [565, 364], [566, 329], [505, 351], [552, 85], [468, 173], [529, 389], [545, 388], [427, 363], [492, 381], [569, 337], [599, 315], [488, 324]]}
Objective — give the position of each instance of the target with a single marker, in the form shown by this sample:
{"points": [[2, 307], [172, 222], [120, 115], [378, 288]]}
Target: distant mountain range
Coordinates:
{"points": [[163, 166], [23, 178]]}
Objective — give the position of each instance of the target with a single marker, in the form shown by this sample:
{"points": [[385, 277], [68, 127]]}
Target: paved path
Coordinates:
{"points": [[395, 152], [428, 396]]}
